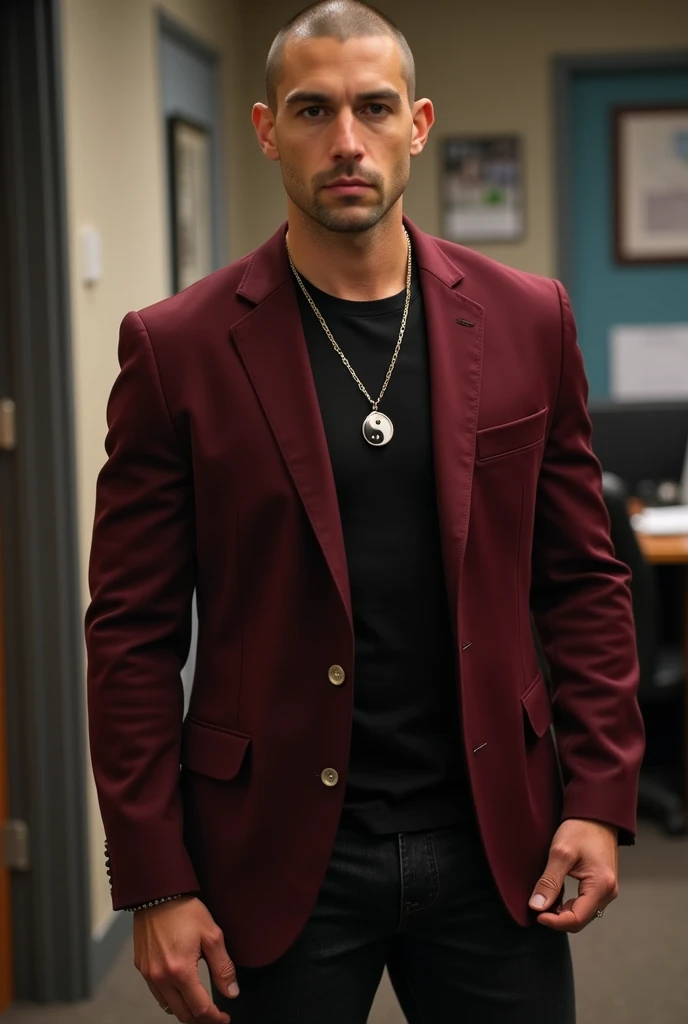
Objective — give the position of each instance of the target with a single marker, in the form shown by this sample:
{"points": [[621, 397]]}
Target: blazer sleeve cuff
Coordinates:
{"points": [[617, 809], [144, 870]]}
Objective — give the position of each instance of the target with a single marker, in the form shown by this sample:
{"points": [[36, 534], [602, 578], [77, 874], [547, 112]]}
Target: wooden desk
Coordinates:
{"points": [[673, 551], [664, 550]]}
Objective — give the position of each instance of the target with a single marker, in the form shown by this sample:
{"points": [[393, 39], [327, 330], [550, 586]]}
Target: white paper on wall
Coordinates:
{"points": [[648, 361]]}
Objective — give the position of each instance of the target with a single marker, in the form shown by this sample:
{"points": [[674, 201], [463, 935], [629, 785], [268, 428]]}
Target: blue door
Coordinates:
{"points": [[603, 293]]}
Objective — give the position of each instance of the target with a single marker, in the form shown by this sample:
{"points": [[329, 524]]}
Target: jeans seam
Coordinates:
{"points": [[414, 997], [403, 879], [432, 860], [434, 871]]}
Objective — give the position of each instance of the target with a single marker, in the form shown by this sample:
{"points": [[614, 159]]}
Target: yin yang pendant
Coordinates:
{"points": [[378, 429]]}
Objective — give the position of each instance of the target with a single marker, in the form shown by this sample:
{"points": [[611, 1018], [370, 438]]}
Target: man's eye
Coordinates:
{"points": [[310, 113], [377, 108]]}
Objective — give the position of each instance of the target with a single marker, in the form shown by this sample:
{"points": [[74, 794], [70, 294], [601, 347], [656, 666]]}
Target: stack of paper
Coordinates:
{"points": [[668, 520]]}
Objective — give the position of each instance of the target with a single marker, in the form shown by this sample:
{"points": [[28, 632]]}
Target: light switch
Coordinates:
{"points": [[91, 255]]}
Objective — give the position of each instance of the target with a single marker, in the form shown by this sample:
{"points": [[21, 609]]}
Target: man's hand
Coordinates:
{"points": [[169, 940], [588, 851]]}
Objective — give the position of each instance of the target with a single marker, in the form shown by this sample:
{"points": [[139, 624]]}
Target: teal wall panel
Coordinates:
{"points": [[603, 293]]}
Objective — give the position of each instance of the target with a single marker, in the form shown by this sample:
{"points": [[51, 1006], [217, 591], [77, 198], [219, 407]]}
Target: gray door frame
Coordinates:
{"points": [[44, 661], [168, 27], [564, 69]]}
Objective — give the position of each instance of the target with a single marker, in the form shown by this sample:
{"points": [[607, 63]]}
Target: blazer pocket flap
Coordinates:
{"points": [[538, 706], [511, 437], [208, 750]]}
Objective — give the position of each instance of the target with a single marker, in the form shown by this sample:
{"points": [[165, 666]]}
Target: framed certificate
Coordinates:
{"points": [[651, 184]]}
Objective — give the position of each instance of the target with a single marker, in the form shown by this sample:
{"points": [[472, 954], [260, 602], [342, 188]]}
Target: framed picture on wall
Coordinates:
{"points": [[481, 188], [651, 184], [190, 170]]}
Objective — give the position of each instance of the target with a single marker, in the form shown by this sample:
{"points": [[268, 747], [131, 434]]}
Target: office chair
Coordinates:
{"points": [[662, 669]]}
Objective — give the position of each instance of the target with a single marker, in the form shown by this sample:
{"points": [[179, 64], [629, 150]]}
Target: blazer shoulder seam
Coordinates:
{"points": [[143, 330]]}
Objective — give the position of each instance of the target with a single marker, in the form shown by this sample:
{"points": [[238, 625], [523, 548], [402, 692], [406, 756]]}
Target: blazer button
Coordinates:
{"points": [[330, 777], [336, 675]]}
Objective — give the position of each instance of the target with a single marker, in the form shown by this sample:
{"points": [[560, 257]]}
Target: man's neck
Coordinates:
{"points": [[356, 266]]}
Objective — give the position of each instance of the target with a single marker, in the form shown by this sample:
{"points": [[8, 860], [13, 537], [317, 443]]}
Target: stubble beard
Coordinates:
{"points": [[349, 215]]}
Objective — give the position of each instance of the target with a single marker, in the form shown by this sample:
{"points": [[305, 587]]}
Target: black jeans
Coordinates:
{"points": [[424, 905]]}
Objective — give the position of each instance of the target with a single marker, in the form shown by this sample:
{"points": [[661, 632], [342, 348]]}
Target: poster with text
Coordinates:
{"points": [[482, 189]]}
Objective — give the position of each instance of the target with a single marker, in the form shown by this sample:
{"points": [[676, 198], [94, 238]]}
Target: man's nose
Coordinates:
{"points": [[346, 144]]}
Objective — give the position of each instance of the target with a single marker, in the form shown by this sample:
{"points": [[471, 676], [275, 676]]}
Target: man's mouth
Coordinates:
{"points": [[348, 186]]}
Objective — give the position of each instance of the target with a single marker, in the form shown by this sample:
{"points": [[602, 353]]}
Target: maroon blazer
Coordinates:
{"points": [[218, 479]]}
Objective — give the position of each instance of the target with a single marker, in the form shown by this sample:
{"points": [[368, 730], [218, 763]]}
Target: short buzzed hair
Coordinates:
{"points": [[341, 20]]}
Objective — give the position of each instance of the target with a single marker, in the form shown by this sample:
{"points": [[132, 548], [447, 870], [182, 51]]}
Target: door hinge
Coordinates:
{"points": [[14, 845], [8, 425]]}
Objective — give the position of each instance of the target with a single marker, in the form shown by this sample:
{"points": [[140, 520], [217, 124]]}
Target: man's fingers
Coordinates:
{"points": [[169, 940], [188, 1000], [157, 994], [172, 999], [565, 919], [220, 966], [563, 856], [551, 881], [197, 999], [576, 914], [587, 851]]}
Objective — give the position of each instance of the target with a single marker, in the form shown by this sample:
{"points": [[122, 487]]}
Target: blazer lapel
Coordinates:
{"points": [[455, 338], [272, 346]]}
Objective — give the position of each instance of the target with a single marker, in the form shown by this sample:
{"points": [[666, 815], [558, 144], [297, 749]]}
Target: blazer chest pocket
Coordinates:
{"points": [[511, 438], [209, 750]]}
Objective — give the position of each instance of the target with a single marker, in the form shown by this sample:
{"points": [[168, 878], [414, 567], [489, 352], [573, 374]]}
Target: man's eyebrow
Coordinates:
{"points": [[302, 96], [379, 94]]}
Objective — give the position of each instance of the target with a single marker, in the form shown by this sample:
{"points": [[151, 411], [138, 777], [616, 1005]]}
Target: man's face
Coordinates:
{"points": [[344, 130]]}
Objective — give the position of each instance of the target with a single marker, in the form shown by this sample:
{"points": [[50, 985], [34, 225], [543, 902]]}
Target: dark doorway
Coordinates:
{"points": [[42, 608]]}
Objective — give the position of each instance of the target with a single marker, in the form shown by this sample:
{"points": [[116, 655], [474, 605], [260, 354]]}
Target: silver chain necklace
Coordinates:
{"points": [[378, 429]]}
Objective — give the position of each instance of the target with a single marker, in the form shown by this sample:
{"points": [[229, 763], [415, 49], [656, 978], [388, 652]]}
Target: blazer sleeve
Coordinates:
{"points": [[581, 606], [138, 628]]}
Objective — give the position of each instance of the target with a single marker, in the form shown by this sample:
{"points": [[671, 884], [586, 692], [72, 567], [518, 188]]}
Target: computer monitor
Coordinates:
{"points": [[641, 440]]}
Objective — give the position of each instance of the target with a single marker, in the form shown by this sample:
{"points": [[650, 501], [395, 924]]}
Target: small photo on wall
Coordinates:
{"points": [[481, 188]]}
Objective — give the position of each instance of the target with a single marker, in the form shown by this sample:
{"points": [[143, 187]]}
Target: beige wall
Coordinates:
{"points": [[486, 66], [116, 182]]}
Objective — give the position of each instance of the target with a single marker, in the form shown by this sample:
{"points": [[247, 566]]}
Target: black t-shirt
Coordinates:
{"points": [[406, 768]]}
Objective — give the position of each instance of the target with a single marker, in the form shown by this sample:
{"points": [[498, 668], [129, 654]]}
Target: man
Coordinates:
{"points": [[367, 451]]}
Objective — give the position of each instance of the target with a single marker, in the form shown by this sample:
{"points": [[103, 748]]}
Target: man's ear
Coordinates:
{"points": [[264, 124], [423, 120]]}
